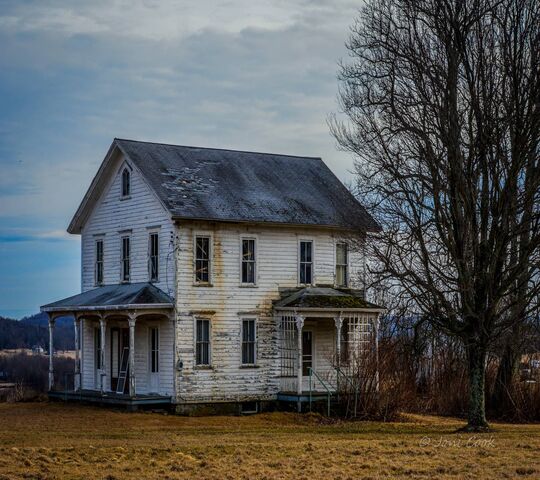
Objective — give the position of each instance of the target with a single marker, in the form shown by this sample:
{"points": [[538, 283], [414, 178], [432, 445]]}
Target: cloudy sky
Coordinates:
{"points": [[74, 74]]}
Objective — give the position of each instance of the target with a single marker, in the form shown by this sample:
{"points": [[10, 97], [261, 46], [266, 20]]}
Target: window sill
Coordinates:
{"points": [[249, 366], [248, 285], [203, 367], [127, 197], [202, 285]]}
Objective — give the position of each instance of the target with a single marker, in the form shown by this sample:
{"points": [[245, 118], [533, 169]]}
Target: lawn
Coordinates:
{"points": [[53, 440]]}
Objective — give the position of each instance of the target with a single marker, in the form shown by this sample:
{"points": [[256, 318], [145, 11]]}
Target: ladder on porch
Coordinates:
{"points": [[124, 370]]}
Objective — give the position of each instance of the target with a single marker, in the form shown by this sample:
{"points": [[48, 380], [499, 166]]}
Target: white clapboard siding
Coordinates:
{"points": [[138, 214], [227, 302]]}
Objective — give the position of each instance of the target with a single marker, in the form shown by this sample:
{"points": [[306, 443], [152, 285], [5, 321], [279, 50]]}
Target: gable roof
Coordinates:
{"points": [[325, 298], [235, 186]]}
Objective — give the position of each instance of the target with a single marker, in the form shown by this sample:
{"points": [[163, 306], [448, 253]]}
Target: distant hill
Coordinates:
{"points": [[31, 331]]}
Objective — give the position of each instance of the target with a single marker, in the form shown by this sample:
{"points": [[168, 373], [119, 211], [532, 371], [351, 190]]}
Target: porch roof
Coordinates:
{"points": [[324, 298], [114, 297]]}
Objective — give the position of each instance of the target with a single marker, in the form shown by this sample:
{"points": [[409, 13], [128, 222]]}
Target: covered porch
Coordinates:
{"points": [[124, 345], [322, 333]]}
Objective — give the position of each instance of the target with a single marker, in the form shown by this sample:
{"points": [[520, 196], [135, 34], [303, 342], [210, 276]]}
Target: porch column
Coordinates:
{"points": [[339, 323], [77, 377], [103, 373], [131, 322], [299, 326], [51, 351]]}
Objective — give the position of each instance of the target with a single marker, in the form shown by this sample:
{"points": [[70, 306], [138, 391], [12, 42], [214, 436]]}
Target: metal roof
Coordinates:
{"points": [[325, 298], [114, 297], [237, 186]]}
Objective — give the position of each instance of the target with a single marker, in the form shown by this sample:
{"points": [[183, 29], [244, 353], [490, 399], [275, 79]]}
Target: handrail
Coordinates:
{"points": [[351, 383], [328, 392]]}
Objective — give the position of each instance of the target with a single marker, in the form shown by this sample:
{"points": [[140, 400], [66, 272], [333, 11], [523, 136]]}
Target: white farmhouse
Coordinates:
{"points": [[215, 277]]}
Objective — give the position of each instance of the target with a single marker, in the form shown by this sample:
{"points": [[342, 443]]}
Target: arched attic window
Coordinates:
{"points": [[126, 182]]}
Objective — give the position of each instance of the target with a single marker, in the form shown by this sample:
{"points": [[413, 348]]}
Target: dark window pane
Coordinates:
{"points": [[202, 348], [202, 259]]}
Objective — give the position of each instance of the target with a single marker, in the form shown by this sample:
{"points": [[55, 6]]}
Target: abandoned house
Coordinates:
{"points": [[215, 277]]}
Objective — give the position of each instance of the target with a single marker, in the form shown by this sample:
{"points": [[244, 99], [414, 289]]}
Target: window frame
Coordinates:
{"points": [[345, 265], [99, 263], [125, 170], [255, 259], [196, 342], [299, 262], [151, 234], [203, 283], [254, 341], [123, 279]]}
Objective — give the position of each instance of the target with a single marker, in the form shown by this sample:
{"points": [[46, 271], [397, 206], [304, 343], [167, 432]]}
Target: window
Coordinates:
{"points": [[306, 262], [341, 264], [98, 269], [126, 253], [126, 183], [154, 350], [202, 342], [202, 259], [153, 258], [248, 341], [248, 260]]}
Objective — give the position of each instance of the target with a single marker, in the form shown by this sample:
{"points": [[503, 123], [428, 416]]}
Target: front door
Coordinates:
{"points": [[119, 342], [307, 352], [153, 360]]}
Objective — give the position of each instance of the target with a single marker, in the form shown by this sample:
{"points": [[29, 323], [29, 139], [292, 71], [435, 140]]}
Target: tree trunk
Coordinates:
{"points": [[476, 356]]}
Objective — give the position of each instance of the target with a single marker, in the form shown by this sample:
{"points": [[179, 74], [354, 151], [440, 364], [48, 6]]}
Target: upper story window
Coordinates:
{"points": [[98, 267], [125, 259], [126, 183], [202, 342], [306, 262], [202, 259], [248, 261], [342, 261], [249, 339], [153, 257]]}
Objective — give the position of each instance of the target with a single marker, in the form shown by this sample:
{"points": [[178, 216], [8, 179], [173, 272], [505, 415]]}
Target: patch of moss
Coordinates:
{"points": [[329, 301]]}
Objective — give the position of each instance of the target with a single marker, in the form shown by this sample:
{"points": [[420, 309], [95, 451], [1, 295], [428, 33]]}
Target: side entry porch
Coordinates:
{"points": [[322, 334], [124, 346]]}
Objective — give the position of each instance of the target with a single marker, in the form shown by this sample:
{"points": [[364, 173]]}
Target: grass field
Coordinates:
{"points": [[52, 440]]}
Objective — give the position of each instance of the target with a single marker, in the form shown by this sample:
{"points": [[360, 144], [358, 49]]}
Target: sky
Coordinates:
{"points": [[74, 74]]}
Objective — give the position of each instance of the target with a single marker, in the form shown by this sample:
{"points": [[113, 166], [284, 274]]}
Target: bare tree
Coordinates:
{"points": [[443, 106]]}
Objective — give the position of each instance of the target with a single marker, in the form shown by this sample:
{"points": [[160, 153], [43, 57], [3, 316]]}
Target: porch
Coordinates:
{"points": [[323, 332], [124, 345]]}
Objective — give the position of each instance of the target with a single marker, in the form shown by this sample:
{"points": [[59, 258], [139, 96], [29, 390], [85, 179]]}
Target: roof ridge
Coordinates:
{"points": [[219, 149]]}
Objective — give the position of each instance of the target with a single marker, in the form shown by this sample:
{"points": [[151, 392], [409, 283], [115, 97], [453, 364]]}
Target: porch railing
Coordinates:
{"points": [[313, 373]]}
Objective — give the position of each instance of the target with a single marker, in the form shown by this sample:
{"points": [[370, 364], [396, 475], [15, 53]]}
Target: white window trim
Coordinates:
{"points": [[125, 166], [313, 261], [102, 240], [256, 346], [249, 237], [209, 235], [347, 276], [150, 231], [210, 343], [122, 236]]}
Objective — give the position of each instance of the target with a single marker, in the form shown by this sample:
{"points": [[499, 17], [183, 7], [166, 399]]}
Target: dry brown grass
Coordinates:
{"points": [[48, 440]]}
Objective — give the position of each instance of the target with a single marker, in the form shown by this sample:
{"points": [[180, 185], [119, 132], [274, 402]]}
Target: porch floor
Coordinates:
{"points": [[111, 398]]}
